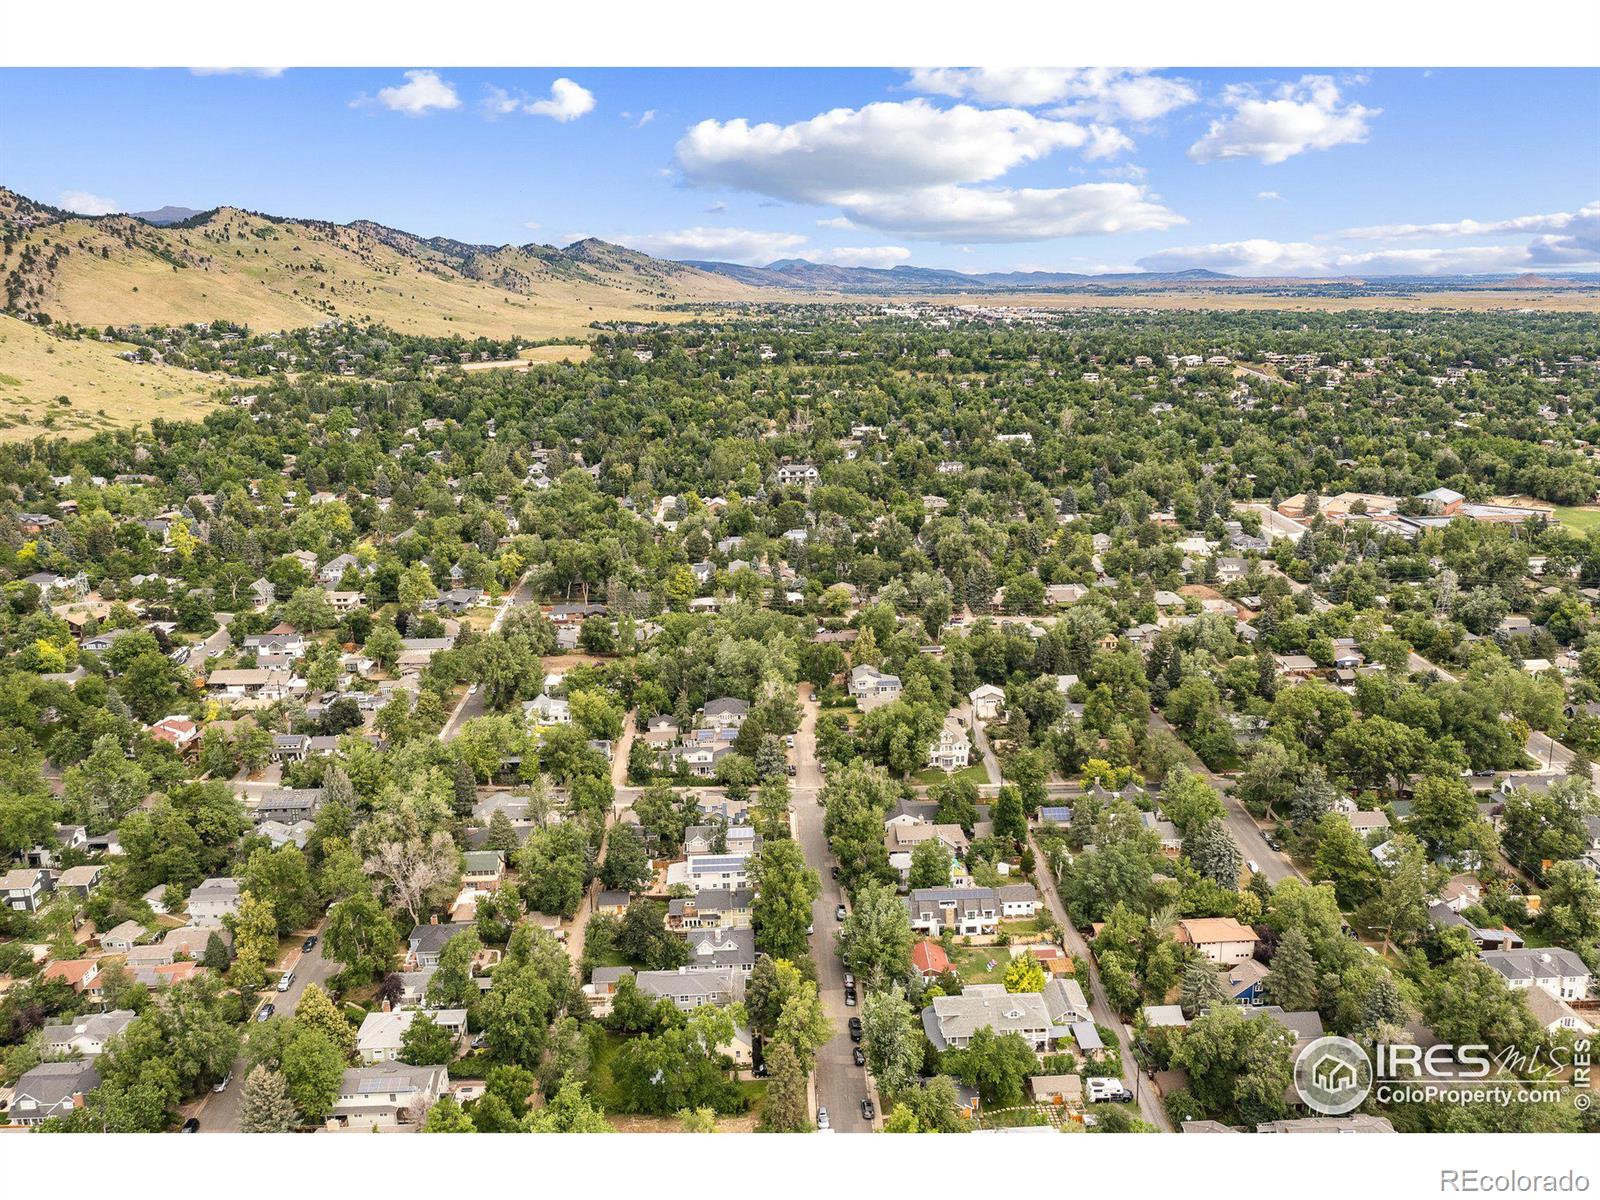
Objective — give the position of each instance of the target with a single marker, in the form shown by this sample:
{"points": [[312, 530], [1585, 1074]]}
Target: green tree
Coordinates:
{"points": [[426, 1043], [891, 1038], [264, 1103], [997, 1064], [1292, 982], [1201, 990], [785, 1108], [313, 1068], [877, 938], [930, 864], [785, 888], [359, 935], [1024, 974], [446, 1116], [317, 1010]]}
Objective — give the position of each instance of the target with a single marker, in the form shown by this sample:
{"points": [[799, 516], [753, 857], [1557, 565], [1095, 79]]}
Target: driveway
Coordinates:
{"points": [[840, 1084], [1150, 1107]]}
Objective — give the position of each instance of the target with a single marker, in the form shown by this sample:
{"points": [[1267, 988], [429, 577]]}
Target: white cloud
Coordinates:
{"points": [[88, 204], [863, 256], [258, 72], [1012, 214], [752, 246], [568, 101], [645, 118], [879, 146], [532, 225], [835, 223], [499, 103], [1538, 223], [1262, 257], [901, 166], [1307, 115], [422, 92], [1268, 196], [1101, 93]]}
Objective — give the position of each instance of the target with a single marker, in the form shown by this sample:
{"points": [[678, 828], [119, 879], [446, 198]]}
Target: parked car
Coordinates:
{"points": [[850, 997], [849, 979], [791, 769], [266, 1012], [223, 1086], [1250, 865], [286, 981], [855, 1029], [822, 1120], [310, 944], [834, 871], [192, 1125], [1104, 1090], [867, 1111], [860, 1056], [838, 913]]}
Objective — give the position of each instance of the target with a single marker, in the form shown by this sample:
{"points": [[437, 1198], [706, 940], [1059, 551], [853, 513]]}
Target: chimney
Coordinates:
{"points": [[433, 918], [386, 1006]]}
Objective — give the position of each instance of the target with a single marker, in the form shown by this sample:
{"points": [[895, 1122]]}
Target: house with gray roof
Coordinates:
{"points": [[1553, 968], [427, 942], [722, 949], [950, 1021], [86, 1036], [51, 1090], [213, 900], [689, 989]]}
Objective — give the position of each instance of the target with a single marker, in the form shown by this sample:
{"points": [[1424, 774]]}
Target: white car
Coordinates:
{"points": [[1250, 865], [823, 1125]]}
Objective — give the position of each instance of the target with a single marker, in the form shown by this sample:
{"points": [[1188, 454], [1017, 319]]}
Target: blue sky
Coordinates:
{"points": [[1265, 172]]}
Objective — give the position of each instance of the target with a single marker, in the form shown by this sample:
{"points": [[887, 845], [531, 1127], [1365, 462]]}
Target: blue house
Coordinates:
{"points": [[1244, 983]]}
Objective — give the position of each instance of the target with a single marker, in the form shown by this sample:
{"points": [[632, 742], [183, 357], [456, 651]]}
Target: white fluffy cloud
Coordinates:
{"points": [[863, 256], [959, 214], [422, 92], [568, 101], [879, 146], [906, 167], [1268, 196], [1101, 93], [1307, 115], [1586, 217], [1261, 257], [753, 246], [258, 72], [88, 204]]}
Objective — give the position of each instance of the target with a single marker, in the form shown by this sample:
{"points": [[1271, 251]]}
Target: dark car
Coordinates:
{"points": [[834, 871], [867, 1111], [266, 1012], [192, 1125], [310, 944], [860, 1056], [855, 1029], [791, 769], [850, 997]]}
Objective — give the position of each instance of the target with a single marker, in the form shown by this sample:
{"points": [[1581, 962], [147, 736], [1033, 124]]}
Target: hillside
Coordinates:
{"points": [[799, 273], [53, 385], [279, 273]]}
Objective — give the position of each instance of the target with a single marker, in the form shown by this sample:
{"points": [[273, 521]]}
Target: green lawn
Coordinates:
{"points": [[1581, 519], [973, 774], [971, 963]]}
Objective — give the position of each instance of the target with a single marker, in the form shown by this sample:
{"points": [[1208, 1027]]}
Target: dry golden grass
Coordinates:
{"points": [[286, 275], [532, 355], [102, 390]]}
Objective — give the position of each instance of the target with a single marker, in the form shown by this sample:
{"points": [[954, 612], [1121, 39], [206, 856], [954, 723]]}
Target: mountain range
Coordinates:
{"points": [[802, 274]]}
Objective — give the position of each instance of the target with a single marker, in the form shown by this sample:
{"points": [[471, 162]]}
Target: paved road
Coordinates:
{"points": [[1246, 834], [1150, 1107], [840, 1084], [219, 1111], [473, 705]]}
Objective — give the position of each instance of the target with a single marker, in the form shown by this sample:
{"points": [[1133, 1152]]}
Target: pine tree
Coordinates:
{"points": [[466, 788], [785, 1107], [1201, 989], [1292, 982], [264, 1104]]}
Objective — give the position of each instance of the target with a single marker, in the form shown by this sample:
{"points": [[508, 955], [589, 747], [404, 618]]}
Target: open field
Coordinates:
{"points": [[1554, 300], [101, 390], [533, 355]]}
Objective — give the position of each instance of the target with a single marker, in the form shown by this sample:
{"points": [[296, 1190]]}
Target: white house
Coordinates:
{"points": [[1552, 969], [872, 687], [382, 1033], [987, 701], [545, 709], [952, 749]]}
